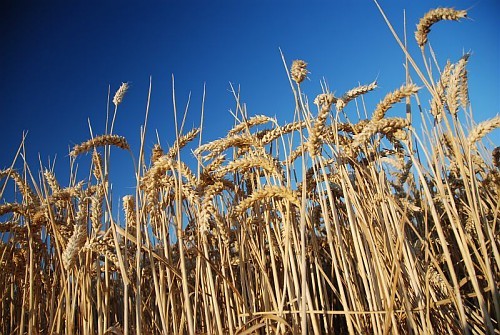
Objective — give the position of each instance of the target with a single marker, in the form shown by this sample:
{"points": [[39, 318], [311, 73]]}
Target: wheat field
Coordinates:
{"points": [[344, 221]]}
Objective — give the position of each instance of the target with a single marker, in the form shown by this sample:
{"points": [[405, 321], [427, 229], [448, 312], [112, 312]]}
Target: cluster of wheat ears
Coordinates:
{"points": [[319, 225]]}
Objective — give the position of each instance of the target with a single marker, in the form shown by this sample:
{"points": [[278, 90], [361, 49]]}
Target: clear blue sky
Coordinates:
{"points": [[58, 59]]}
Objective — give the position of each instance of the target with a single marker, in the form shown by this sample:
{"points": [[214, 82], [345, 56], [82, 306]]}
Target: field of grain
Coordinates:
{"points": [[344, 221]]}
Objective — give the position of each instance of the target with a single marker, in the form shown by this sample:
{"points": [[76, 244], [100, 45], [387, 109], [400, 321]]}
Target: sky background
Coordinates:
{"points": [[58, 59]]}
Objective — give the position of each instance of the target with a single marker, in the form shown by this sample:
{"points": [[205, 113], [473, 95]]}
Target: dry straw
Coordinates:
{"points": [[370, 236]]}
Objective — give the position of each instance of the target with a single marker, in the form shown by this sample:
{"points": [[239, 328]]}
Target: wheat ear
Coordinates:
{"points": [[385, 126], [455, 92], [482, 129], [181, 142], [434, 16], [78, 238], [253, 121], [353, 94], [440, 88], [298, 71], [99, 141], [118, 98], [268, 192], [393, 98]]}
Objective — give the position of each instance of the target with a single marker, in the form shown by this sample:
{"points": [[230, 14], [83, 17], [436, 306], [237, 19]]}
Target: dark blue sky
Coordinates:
{"points": [[58, 59]]}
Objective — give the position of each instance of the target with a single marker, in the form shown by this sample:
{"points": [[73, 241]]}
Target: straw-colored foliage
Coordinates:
{"points": [[330, 224]]}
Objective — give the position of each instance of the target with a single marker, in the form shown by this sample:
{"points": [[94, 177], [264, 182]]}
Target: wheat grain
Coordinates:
{"points": [[298, 152], [67, 193], [101, 246], [152, 179], [324, 101]]}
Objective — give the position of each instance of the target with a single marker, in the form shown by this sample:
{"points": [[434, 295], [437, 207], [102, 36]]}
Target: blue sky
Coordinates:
{"points": [[58, 59]]}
